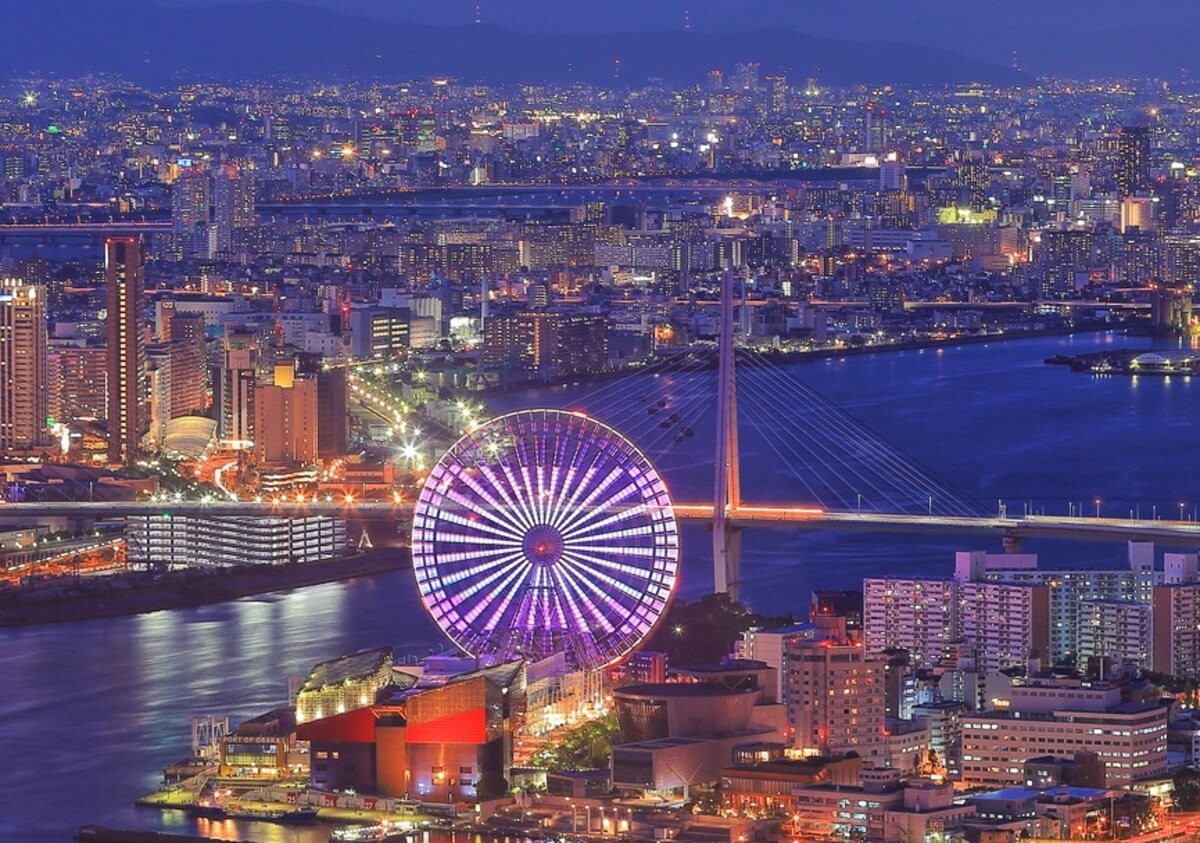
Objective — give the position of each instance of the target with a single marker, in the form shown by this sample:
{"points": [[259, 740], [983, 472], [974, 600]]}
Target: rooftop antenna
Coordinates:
{"points": [[687, 20], [478, 14]]}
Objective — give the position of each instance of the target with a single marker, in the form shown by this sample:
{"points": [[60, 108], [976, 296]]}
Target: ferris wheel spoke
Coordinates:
{"points": [[477, 576], [471, 572], [521, 496], [505, 594], [444, 601], [475, 523], [473, 510], [532, 488], [578, 489], [485, 558], [603, 590], [501, 579], [588, 528], [491, 506], [563, 483], [513, 506], [578, 601], [553, 492], [612, 506], [585, 506], [526, 484], [603, 574]]}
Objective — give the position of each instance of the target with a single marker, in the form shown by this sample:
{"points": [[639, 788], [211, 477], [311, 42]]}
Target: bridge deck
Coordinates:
{"points": [[1173, 533]]}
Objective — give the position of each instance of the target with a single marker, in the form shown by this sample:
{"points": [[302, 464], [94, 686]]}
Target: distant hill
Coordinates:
{"points": [[151, 43]]}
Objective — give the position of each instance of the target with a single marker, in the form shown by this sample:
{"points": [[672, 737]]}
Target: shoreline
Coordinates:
{"points": [[792, 357], [143, 593]]}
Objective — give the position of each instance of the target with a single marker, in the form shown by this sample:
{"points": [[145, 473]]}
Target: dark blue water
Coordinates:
{"points": [[91, 712]]}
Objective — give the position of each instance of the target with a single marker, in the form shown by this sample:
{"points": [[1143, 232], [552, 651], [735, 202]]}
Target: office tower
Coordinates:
{"points": [[1080, 182], [971, 178], [233, 387], [128, 384], [746, 76], [779, 92], [286, 419], [1133, 160], [379, 331], [835, 695], [23, 371], [1062, 717], [177, 379]]}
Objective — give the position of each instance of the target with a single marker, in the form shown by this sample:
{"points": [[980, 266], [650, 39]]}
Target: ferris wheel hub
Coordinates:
{"points": [[543, 545]]}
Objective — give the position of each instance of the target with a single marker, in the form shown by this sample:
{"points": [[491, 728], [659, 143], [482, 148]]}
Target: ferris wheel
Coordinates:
{"points": [[545, 531]]}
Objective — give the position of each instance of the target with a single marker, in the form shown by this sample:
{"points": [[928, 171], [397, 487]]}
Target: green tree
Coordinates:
{"points": [[1187, 788], [703, 631], [586, 747], [491, 785]]}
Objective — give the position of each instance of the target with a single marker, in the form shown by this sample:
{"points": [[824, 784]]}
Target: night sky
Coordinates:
{"points": [[1076, 39], [845, 19], [1066, 37]]}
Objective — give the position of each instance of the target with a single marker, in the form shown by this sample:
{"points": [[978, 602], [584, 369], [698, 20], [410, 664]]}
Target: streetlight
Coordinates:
{"points": [[1181, 505], [1097, 507]]}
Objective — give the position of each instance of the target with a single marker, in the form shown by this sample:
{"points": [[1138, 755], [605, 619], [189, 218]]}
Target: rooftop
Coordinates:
{"points": [[681, 689], [347, 668]]}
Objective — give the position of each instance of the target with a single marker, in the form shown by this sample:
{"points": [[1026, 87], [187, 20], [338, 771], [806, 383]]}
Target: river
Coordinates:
{"points": [[92, 711]]}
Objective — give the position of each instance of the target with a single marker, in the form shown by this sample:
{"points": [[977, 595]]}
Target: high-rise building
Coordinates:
{"points": [[547, 341], [23, 370], [232, 205], [78, 382], [1120, 630], [379, 331], [1070, 589], [128, 383], [835, 695], [177, 377], [286, 419], [1006, 624], [918, 615], [190, 207], [1176, 617], [892, 176], [1061, 256], [233, 395], [333, 409], [1133, 160]]}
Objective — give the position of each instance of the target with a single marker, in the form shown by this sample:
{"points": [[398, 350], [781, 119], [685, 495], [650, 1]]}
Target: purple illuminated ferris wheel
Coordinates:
{"points": [[544, 531]]}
